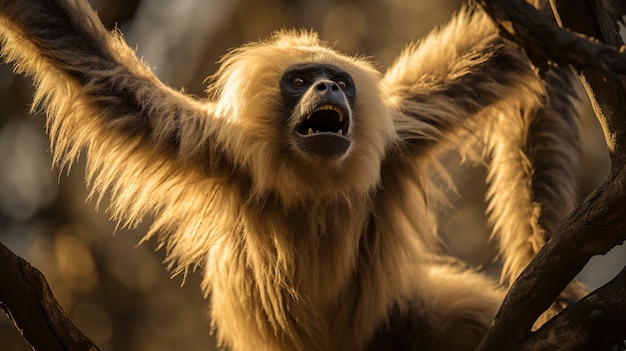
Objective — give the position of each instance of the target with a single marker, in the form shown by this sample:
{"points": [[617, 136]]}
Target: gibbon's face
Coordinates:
{"points": [[305, 121], [320, 97]]}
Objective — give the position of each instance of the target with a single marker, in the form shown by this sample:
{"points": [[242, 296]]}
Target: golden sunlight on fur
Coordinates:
{"points": [[302, 185]]}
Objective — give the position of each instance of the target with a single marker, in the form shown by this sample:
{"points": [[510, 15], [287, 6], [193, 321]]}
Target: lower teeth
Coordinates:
{"points": [[310, 131]]}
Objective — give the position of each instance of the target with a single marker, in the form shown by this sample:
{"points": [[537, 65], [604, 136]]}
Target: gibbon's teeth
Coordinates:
{"points": [[327, 108], [324, 119]]}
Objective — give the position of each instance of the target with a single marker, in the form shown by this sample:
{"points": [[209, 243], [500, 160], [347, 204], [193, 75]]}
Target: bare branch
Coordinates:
{"points": [[26, 298], [607, 96], [597, 331], [595, 227], [546, 44]]}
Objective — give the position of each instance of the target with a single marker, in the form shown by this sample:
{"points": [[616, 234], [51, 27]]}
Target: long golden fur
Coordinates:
{"points": [[300, 252]]}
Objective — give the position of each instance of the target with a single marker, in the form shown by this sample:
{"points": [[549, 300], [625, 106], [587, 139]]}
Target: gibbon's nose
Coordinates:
{"points": [[328, 88]]}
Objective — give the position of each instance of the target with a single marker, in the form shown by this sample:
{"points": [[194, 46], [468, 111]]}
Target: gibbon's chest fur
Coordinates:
{"points": [[320, 274]]}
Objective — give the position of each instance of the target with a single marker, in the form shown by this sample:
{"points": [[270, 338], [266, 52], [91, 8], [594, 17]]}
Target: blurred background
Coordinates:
{"points": [[119, 293]]}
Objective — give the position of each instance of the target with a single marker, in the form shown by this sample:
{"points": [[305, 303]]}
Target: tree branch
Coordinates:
{"points": [[598, 224], [26, 298], [596, 331], [546, 44], [595, 227], [608, 96]]}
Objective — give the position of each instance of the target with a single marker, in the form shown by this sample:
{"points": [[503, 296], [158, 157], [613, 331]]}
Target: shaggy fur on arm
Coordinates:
{"points": [[150, 146], [526, 126]]}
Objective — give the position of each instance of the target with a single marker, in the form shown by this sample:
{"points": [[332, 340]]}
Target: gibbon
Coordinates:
{"points": [[303, 184]]}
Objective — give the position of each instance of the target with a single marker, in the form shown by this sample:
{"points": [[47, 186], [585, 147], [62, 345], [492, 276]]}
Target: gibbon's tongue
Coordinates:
{"points": [[323, 132]]}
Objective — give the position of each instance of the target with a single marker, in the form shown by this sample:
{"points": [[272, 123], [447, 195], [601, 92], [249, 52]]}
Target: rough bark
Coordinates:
{"points": [[26, 298]]}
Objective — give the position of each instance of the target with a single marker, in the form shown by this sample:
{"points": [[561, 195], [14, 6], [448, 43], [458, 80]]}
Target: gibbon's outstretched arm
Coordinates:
{"points": [[144, 142], [451, 75], [90, 79], [527, 126], [98, 95]]}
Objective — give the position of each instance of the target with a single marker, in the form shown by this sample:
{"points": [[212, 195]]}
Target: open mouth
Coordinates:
{"points": [[323, 132], [324, 119]]}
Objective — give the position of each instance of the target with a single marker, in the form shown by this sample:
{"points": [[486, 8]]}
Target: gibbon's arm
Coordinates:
{"points": [[452, 74], [138, 133], [528, 126]]}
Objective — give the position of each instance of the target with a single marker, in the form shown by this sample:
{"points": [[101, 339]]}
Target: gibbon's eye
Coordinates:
{"points": [[342, 84], [298, 82]]}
